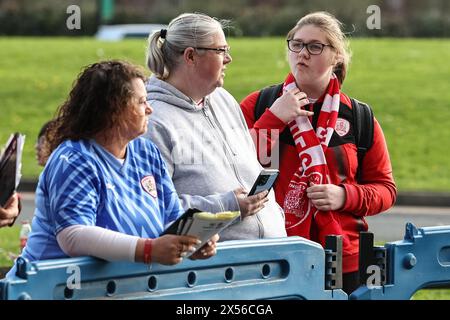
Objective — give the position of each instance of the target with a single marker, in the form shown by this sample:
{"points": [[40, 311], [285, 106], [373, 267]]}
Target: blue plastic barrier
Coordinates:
{"points": [[421, 260], [287, 268]]}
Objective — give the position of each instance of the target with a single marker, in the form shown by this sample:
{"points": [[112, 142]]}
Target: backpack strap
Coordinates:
{"points": [[363, 131], [363, 126], [266, 98]]}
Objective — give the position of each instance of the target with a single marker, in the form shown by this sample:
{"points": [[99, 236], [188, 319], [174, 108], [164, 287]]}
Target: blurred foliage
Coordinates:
{"points": [[399, 18], [45, 17]]}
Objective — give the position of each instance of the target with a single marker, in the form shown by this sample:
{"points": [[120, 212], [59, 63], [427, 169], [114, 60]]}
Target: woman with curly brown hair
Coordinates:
{"points": [[105, 191]]}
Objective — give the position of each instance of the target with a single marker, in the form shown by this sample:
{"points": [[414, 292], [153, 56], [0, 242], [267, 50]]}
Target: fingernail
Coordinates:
{"points": [[198, 241], [183, 254]]}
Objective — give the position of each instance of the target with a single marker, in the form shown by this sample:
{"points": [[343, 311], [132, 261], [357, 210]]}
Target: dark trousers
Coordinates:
{"points": [[350, 282]]}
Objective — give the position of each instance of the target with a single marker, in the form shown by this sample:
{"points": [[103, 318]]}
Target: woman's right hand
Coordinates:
{"points": [[171, 249], [289, 105], [250, 205]]}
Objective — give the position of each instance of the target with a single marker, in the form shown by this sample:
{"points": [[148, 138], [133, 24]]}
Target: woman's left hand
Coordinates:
{"points": [[326, 197], [208, 250], [11, 210]]}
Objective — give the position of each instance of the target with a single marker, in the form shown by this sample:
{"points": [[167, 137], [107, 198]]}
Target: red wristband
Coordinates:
{"points": [[148, 251]]}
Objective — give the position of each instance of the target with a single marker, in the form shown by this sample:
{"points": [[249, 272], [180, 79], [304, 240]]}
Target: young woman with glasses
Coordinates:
{"points": [[318, 186]]}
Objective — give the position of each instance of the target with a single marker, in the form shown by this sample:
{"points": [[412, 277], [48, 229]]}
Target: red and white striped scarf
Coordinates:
{"points": [[311, 147]]}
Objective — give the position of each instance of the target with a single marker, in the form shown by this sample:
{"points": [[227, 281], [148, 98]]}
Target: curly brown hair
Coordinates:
{"points": [[96, 103]]}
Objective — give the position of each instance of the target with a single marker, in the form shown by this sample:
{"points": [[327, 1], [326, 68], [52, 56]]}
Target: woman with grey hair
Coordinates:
{"points": [[200, 129]]}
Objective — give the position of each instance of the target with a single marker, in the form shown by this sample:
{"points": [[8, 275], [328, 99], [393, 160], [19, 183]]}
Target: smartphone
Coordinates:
{"points": [[265, 181]]}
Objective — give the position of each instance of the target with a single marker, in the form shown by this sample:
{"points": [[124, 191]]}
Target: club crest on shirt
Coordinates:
{"points": [[342, 127], [149, 185]]}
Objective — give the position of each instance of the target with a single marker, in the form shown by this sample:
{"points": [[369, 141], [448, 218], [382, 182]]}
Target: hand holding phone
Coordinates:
{"points": [[265, 181]]}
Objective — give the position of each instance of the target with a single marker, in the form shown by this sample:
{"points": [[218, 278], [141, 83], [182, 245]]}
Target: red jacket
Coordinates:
{"points": [[377, 191]]}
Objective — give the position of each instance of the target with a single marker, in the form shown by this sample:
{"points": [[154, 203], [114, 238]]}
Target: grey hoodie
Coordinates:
{"points": [[209, 152]]}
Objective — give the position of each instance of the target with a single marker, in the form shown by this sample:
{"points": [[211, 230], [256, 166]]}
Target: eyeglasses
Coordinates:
{"points": [[222, 51], [314, 48]]}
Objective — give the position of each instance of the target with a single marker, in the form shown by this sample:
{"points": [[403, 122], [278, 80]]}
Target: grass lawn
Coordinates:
{"points": [[432, 294], [405, 81], [9, 243]]}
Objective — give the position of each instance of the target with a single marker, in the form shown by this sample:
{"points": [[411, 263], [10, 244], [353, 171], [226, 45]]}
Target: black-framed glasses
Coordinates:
{"points": [[222, 51], [313, 48]]}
